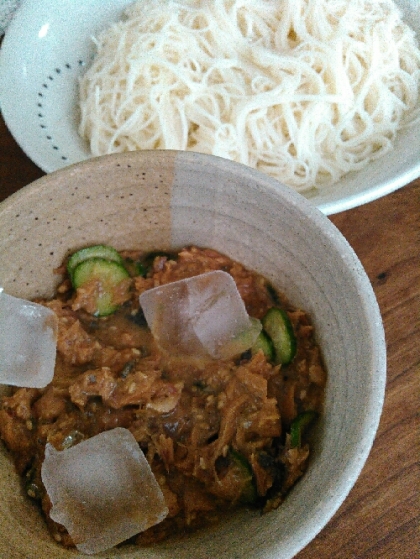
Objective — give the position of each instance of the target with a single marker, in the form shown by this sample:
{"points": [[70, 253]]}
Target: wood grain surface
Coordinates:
{"points": [[380, 517]]}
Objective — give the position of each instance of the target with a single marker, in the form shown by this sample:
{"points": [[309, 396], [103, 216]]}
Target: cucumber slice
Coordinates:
{"points": [[108, 273], [135, 267], [264, 342], [298, 426], [277, 325], [244, 473], [96, 251]]}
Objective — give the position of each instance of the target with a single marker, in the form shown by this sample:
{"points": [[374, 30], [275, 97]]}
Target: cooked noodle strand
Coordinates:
{"points": [[304, 90]]}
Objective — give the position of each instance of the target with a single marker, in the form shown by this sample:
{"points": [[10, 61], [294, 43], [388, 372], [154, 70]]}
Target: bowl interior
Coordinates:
{"points": [[170, 199], [38, 93]]}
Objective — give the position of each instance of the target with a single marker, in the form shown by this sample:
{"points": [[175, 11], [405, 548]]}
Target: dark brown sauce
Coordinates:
{"points": [[215, 432]]}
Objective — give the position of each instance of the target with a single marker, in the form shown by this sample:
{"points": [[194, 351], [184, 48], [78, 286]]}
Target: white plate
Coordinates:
{"points": [[46, 48]]}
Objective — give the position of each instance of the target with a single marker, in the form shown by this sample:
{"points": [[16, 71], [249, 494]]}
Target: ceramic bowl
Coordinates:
{"points": [[171, 199]]}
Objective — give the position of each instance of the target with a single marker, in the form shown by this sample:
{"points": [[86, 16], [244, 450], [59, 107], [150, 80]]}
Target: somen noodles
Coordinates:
{"points": [[303, 90]]}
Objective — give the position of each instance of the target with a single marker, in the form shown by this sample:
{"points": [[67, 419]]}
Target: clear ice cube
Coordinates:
{"points": [[102, 490], [28, 339], [203, 315]]}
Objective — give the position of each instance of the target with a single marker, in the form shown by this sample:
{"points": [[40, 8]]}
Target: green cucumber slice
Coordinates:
{"points": [[244, 472], [265, 343], [135, 267], [96, 251], [108, 273], [298, 426], [277, 325]]}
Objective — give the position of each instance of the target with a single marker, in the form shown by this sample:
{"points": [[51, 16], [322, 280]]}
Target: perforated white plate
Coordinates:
{"points": [[48, 45], [46, 48]]}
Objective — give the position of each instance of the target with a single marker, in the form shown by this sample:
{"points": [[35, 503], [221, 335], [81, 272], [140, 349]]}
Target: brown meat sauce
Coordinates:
{"points": [[214, 432]]}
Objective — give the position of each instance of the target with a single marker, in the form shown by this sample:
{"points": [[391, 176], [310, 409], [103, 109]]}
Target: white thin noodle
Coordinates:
{"points": [[303, 90]]}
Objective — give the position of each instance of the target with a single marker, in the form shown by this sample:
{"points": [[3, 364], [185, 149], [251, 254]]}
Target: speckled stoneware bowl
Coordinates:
{"points": [[170, 199]]}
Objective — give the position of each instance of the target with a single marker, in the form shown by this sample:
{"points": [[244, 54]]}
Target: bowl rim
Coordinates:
{"points": [[371, 194]]}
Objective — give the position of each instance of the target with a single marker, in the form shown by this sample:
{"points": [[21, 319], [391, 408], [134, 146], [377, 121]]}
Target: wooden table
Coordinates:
{"points": [[380, 518]]}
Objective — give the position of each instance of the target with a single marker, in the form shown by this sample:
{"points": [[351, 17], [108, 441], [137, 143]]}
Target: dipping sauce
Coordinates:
{"points": [[217, 433]]}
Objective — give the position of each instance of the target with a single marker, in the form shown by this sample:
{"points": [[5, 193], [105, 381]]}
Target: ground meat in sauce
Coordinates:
{"points": [[215, 433]]}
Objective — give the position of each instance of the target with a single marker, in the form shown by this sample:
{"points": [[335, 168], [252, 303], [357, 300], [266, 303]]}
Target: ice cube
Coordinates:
{"points": [[202, 315], [102, 490], [28, 339]]}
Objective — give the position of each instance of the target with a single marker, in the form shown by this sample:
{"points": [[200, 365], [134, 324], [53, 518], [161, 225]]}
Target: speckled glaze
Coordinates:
{"points": [[169, 199]]}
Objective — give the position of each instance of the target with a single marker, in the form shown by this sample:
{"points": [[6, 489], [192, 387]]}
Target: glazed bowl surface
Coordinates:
{"points": [[167, 200]]}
